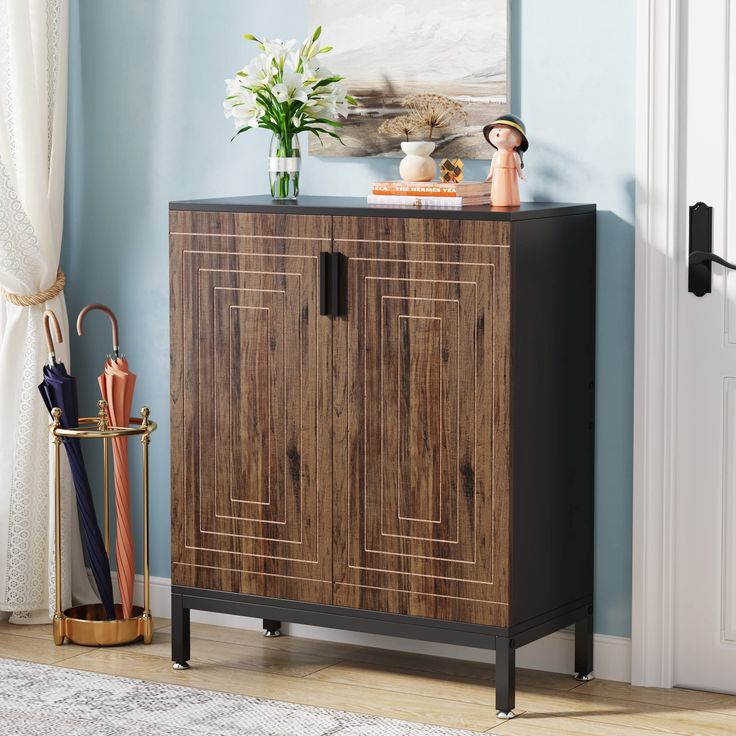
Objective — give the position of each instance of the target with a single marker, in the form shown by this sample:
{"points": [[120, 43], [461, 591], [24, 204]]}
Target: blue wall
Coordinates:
{"points": [[146, 127]]}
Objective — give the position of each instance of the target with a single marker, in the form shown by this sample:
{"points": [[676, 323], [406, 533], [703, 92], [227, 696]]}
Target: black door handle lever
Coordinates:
{"points": [[700, 256]]}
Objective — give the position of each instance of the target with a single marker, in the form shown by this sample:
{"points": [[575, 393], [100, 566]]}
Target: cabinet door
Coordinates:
{"points": [[421, 415], [251, 405]]}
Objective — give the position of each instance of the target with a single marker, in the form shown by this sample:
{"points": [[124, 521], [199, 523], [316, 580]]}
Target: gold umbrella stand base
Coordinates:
{"points": [[86, 625]]}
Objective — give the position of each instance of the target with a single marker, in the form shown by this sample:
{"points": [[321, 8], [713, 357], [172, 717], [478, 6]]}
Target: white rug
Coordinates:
{"points": [[40, 700]]}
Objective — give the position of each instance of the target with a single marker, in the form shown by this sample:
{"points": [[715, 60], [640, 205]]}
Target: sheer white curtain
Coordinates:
{"points": [[33, 90]]}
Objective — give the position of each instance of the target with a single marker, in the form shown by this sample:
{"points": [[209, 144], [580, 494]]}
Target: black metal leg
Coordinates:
{"points": [[271, 627], [505, 677], [180, 635], [584, 648]]}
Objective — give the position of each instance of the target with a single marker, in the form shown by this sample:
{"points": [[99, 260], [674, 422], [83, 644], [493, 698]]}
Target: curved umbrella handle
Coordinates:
{"points": [[50, 315], [113, 320]]}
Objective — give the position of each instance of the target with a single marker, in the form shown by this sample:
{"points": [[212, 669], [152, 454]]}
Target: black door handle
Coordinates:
{"points": [[325, 259], [700, 249], [700, 256], [331, 288], [337, 297]]}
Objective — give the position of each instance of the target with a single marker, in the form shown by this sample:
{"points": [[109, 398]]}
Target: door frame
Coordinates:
{"points": [[658, 257]]}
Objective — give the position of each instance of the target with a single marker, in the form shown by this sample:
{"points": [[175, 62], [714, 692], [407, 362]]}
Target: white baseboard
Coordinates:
{"points": [[554, 653]]}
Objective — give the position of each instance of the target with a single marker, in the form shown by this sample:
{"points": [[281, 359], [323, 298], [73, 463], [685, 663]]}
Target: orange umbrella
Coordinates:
{"points": [[116, 385]]}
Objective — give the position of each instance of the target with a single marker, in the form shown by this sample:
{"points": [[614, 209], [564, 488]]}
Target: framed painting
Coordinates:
{"points": [[390, 49]]}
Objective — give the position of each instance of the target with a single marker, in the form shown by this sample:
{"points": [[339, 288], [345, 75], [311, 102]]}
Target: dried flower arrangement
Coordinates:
{"points": [[434, 111], [403, 125], [428, 112]]}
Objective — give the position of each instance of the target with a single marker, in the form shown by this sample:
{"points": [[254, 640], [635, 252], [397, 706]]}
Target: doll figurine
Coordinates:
{"points": [[507, 134]]}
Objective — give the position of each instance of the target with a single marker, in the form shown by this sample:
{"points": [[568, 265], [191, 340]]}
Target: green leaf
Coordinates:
{"points": [[333, 135], [240, 74], [311, 129], [327, 121], [351, 100], [242, 130], [328, 80]]}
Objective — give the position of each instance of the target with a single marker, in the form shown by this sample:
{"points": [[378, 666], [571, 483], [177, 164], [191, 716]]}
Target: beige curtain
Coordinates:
{"points": [[33, 92]]}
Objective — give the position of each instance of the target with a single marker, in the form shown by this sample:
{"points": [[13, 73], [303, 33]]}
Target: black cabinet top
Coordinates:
{"points": [[356, 206]]}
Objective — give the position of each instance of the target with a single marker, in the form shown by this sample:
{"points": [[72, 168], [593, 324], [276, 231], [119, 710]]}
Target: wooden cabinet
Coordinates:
{"points": [[421, 392], [382, 420], [251, 406]]}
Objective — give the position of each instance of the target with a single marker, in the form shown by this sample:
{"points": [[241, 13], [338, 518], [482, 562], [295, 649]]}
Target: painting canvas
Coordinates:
{"points": [[388, 49]]}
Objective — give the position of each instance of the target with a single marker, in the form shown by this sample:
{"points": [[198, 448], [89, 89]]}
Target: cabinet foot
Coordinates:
{"points": [[271, 628], [580, 677], [180, 635], [505, 715], [584, 648], [505, 677]]}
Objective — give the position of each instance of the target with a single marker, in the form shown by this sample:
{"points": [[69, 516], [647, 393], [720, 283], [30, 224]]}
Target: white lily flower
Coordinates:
{"points": [[244, 108], [259, 72], [330, 103], [278, 49], [233, 87], [341, 107], [291, 88], [314, 69], [339, 95], [291, 63], [317, 107]]}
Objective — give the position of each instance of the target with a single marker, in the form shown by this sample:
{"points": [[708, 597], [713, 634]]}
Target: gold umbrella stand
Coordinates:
{"points": [[86, 624]]}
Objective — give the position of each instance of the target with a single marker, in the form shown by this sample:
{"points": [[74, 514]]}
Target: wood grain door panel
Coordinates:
{"points": [[251, 400], [421, 374]]}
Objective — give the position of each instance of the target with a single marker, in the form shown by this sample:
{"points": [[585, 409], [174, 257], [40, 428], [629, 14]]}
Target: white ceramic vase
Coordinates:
{"points": [[417, 164]]}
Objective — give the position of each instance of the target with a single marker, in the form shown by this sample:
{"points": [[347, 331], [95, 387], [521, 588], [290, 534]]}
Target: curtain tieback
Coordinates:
{"points": [[34, 300]]}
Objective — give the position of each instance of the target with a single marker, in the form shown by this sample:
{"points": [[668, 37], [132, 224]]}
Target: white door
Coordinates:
{"points": [[705, 501]]}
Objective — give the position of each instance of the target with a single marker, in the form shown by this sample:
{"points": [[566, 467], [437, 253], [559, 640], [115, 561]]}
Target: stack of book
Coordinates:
{"points": [[430, 193]]}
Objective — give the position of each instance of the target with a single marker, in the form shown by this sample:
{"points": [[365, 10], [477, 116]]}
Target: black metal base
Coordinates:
{"points": [[505, 676], [271, 627], [180, 631], [584, 647], [505, 641]]}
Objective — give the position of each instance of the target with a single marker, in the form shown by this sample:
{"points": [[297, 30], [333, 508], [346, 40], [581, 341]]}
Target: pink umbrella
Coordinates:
{"points": [[116, 385]]}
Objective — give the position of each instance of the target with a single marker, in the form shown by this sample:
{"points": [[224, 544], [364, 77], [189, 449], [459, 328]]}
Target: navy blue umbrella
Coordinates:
{"points": [[60, 389]]}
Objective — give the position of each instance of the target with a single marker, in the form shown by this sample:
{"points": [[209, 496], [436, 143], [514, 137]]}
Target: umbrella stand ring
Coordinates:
{"points": [[86, 625], [112, 432]]}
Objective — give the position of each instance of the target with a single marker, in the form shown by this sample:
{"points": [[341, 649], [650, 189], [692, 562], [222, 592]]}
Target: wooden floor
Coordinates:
{"points": [[417, 688]]}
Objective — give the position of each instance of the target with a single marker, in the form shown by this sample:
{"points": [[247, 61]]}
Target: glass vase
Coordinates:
{"points": [[284, 164]]}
